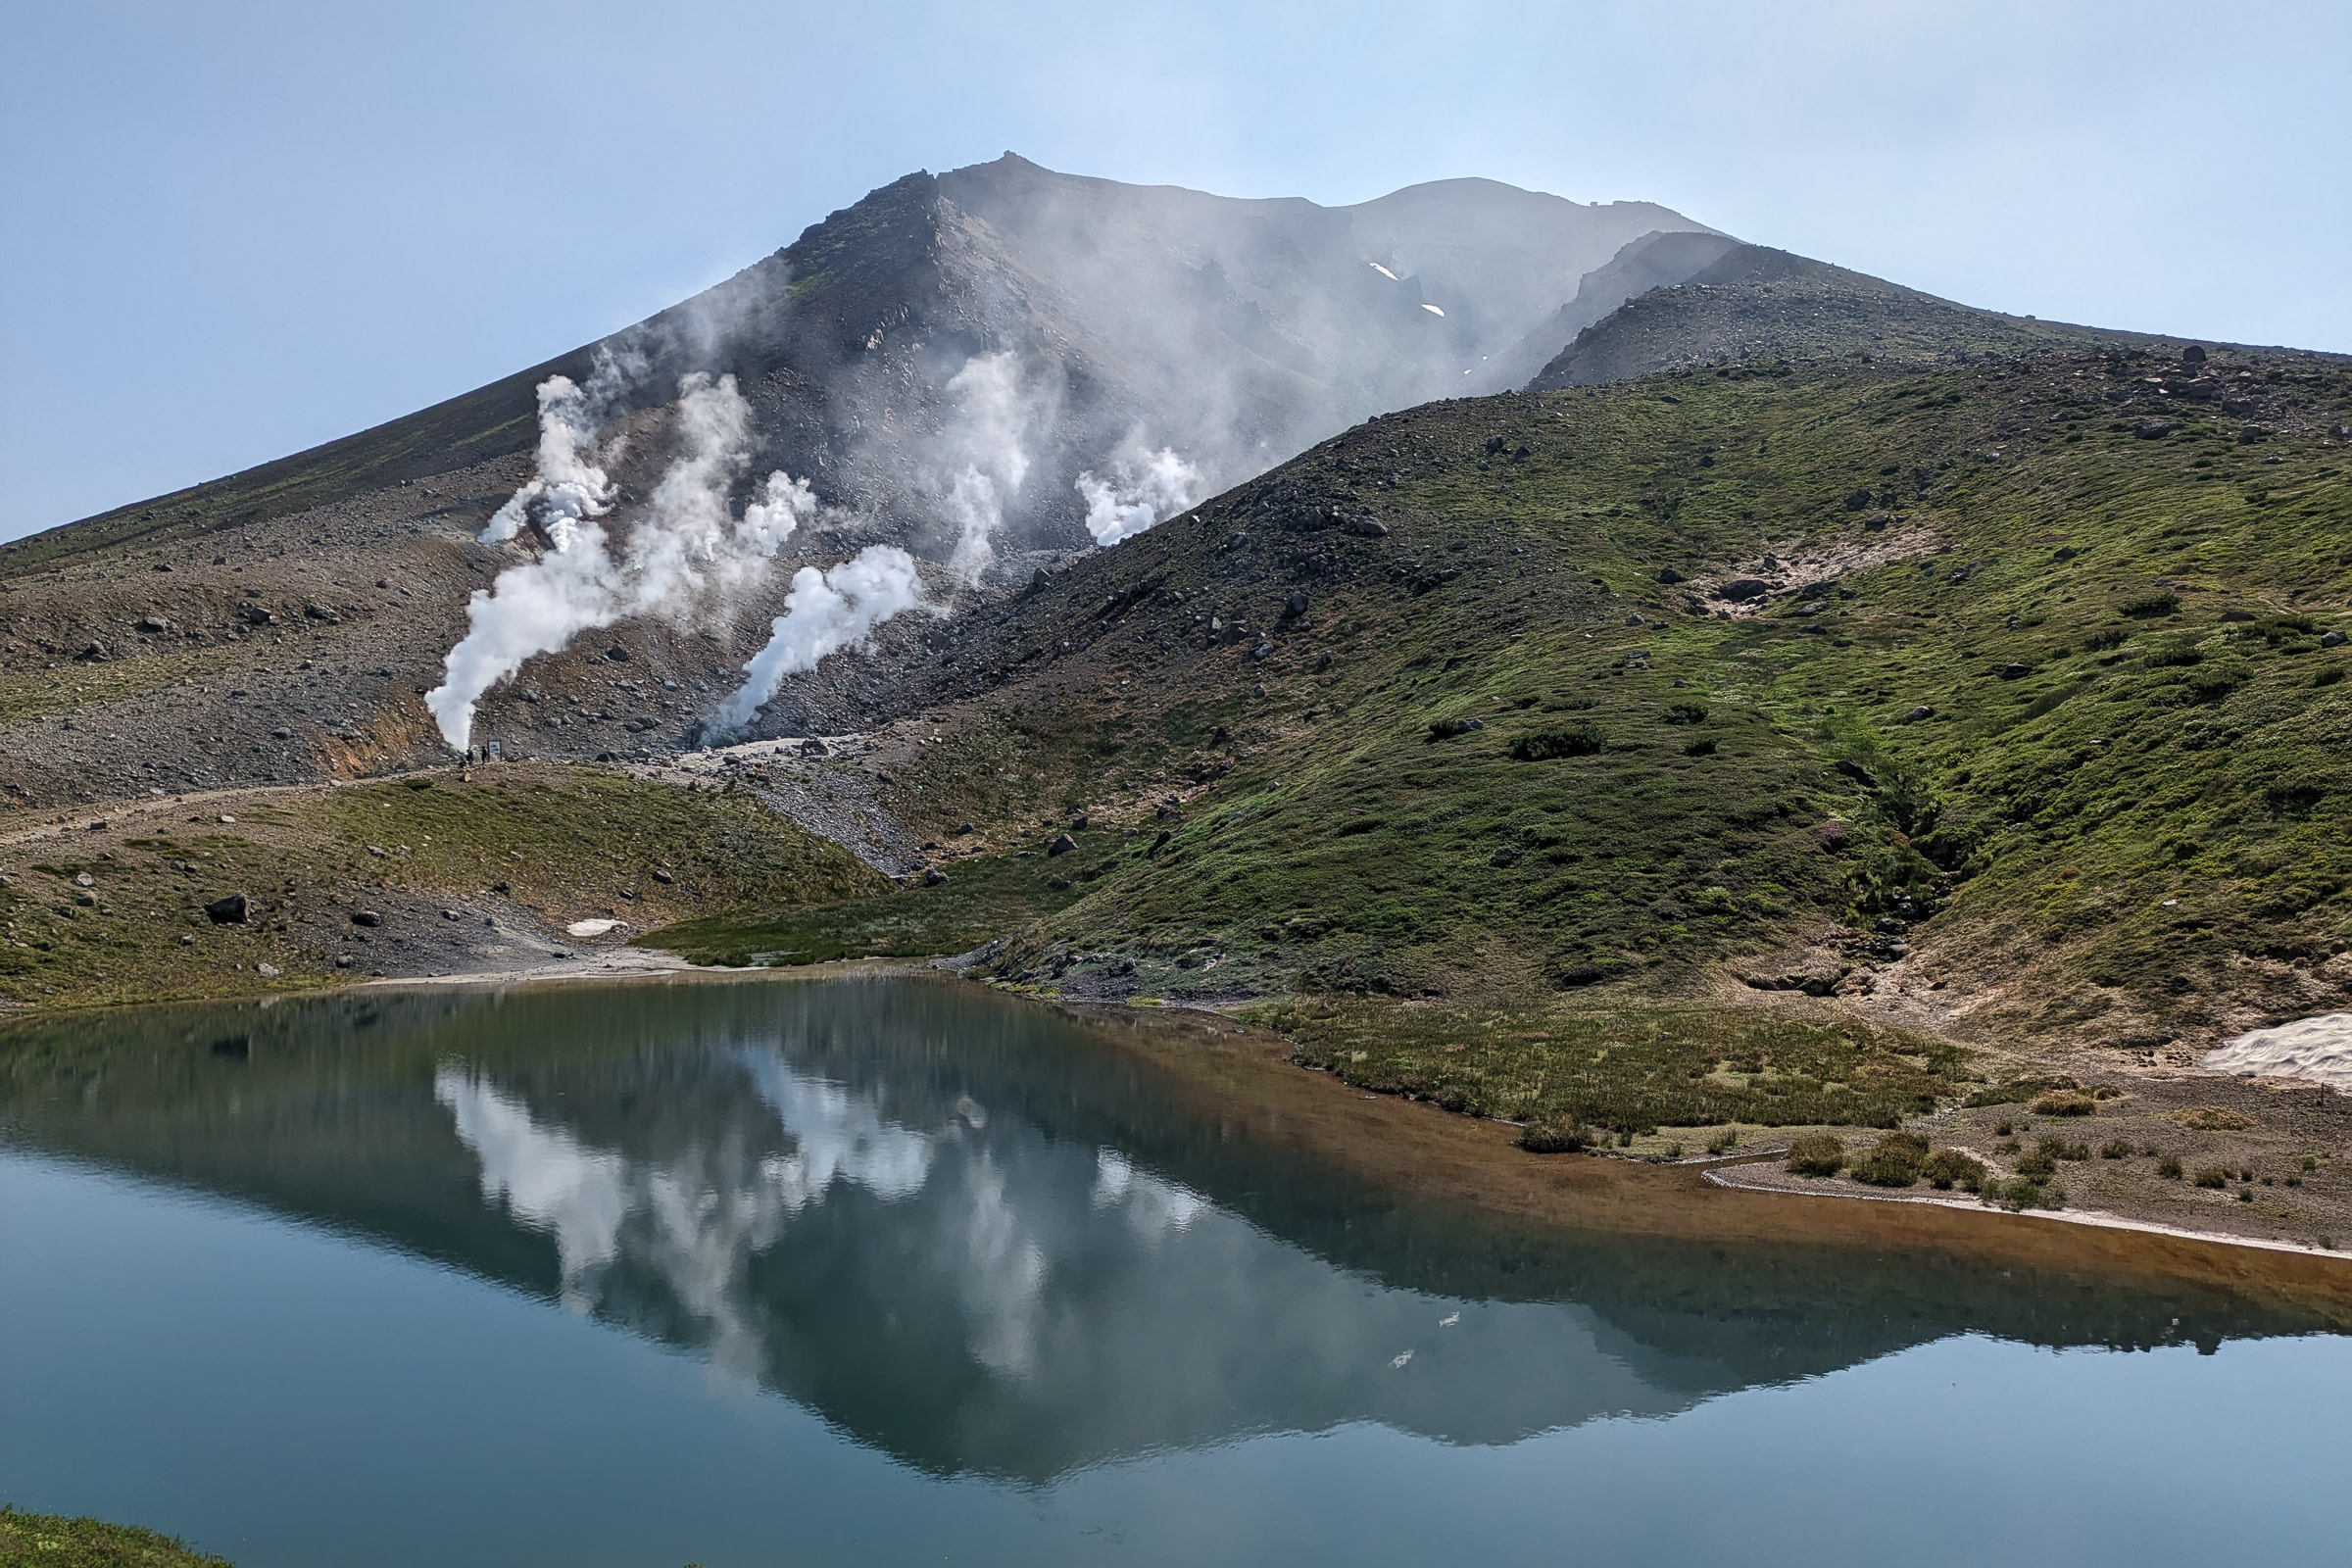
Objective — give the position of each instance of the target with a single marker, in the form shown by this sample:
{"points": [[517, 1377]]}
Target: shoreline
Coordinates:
{"points": [[1417, 1144]]}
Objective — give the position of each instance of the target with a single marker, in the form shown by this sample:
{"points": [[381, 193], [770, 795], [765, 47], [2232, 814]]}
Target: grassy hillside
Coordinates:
{"points": [[2006, 684]]}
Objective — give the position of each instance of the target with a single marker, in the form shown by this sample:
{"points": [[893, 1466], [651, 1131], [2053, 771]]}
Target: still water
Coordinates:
{"points": [[892, 1271]]}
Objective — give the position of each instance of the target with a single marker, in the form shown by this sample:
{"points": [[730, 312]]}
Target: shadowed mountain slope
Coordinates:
{"points": [[1753, 302]]}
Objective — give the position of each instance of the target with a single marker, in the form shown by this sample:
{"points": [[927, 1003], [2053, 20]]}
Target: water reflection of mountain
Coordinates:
{"points": [[967, 1231]]}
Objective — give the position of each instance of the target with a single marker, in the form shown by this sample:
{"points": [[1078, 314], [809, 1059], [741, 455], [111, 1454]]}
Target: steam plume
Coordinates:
{"points": [[1145, 488], [991, 459], [825, 611], [687, 554]]}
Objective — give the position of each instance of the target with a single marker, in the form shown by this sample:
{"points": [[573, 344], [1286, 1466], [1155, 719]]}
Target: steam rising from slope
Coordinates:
{"points": [[686, 555], [825, 613], [992, 463], [1145, 488]]}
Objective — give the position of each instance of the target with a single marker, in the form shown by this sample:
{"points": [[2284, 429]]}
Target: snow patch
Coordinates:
{"points": [[2319, 1048]]}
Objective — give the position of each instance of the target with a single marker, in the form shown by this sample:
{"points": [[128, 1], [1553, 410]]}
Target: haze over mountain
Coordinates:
{"points": [[933, 392]]}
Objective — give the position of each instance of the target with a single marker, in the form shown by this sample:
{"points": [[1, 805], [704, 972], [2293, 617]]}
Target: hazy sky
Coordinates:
{"points": [[232, 230]]}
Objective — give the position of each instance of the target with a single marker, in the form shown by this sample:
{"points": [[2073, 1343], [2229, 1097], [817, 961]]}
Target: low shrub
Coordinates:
{"points": [[1947, 1168], [2039, 1165], [1543, 1138], [2059, 1149], [2063, 1103], [2169, 1167], [2213, 1176], [1895, 1160], [1722, 1142], [1817, 1155], [1576, 740], [2116, 1149]]}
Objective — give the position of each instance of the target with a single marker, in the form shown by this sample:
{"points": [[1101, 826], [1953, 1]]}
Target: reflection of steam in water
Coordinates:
{"points": [[696, 1217]]}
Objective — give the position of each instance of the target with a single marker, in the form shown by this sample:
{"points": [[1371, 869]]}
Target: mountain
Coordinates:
{"points": [[941, 363]]}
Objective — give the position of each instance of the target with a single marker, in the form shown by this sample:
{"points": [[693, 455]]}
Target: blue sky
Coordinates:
{"points": [[231, 231]]}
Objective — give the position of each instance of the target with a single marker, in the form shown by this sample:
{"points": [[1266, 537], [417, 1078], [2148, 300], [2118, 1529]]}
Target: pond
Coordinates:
{"points": [[899, 1270]]}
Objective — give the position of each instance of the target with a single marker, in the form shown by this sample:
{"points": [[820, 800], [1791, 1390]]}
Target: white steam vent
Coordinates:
{"points": [[686, 555], [826, 612], [987, 457], [1143, 488]]}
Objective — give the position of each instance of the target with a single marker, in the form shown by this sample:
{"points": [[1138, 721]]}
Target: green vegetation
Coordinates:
{"points": [[1895, 1160], [1817, 1155], [48, 1540], [983, 898], [1947, 1168], [554, 842], [1630, 1072], [2046, 700]]}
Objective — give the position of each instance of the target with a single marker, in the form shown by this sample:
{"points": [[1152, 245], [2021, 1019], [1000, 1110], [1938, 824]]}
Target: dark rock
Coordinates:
{"points": [[1813, 607], [92, 652], [1078, 824], [2249, 435], [935, 877], [1669, 576], [230, 910], [2332, 639], [154, 624], [963, 827], [1858, 499], [1916, 715], [1295, 606], [449, 915], [281, 734], [617, 654], [1323, 661], [1495, 444], [2064, 553], [2014, 672], [255, 614], [2192, 354], [1060, 844], [662, 877], [1857, 771], [2152, 429], [1960, 574], [1366, 527], [1258, 690], [367, 918], [1739, 590], [1877, 520], [1262, 652]]}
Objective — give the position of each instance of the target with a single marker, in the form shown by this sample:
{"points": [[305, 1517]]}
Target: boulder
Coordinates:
{"points": [[2332, 639], [1060, 844], [617, 654], [367, 918], [2014, 672], [1916, 715], [234, 909], [1669, 576], [1739, 590], [1857, 771], [2152, 429], [935, 877]]}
